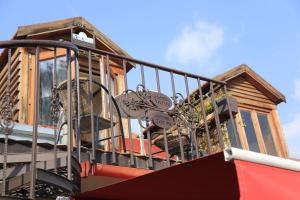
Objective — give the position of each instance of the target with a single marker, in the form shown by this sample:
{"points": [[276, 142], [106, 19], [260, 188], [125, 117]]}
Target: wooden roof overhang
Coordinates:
{"points": [[247, 73], [61, 29]]}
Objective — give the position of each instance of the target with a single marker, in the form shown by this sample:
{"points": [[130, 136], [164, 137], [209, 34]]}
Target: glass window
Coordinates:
{"points": [[234, 138], [267, 134], [250, 131], [46, 82]]}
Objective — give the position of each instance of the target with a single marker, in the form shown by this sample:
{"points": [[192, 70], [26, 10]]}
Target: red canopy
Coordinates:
{"points": [[209, 177]]}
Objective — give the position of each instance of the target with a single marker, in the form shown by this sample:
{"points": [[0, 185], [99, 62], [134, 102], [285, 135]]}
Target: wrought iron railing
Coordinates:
{"points": [[172, 118]]}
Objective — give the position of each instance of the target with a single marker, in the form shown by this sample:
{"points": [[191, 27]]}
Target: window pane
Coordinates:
{"points": [[250, 132], [234, 138], [267, 135], [46, 82]]}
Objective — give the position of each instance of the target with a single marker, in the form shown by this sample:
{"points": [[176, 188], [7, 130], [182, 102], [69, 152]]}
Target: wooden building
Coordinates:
{"points": [[257, 120], [23, 67], [98, 147]]}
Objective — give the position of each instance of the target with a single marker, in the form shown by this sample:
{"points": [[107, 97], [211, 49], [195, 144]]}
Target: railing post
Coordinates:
{"points": [[78, 111], [93, 138], [128, 119], [193, 133], [55, 109], [177, 126], [110, 103], [70, 118], [35, 122], [164, 130], [231, 115], [150, 161], [204, 116], [7, 121], [216, 113]]}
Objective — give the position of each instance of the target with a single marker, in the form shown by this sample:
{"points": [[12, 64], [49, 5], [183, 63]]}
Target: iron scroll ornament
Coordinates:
{"points": [[156, 107], [6, 112]]}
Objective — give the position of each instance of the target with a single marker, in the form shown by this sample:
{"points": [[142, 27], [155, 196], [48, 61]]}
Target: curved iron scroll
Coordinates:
{"points": [[158, 108]]}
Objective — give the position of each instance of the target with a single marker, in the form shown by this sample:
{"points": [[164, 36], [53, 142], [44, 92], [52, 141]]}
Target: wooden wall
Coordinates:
{"points": [[15, 89]]}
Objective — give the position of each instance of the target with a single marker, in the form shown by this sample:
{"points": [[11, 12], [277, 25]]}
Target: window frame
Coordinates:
{"points": [[258, 132]]}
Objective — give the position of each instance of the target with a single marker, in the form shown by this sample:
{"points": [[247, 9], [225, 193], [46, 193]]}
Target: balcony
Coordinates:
{"points": [[90, 105]]}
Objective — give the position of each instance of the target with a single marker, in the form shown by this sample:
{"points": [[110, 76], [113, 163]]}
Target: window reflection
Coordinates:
{"points": [[46, 82], [266, 133], [250, 131], [234, 138]]}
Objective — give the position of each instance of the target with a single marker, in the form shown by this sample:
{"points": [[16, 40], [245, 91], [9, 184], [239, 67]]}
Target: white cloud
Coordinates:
{"points": [[292, 134], [296, 93], [196, 44]]}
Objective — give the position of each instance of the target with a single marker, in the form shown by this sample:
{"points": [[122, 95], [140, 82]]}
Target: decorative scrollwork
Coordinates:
{"points": [[6, 111], [184, 113], [158, 108], [55, 105]]}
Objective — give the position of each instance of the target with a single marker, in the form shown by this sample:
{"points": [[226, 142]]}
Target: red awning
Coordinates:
{"points": [[209, 177]]}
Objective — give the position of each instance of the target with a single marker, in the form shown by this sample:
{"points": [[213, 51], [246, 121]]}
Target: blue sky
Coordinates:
{"points": [[213, 36]]}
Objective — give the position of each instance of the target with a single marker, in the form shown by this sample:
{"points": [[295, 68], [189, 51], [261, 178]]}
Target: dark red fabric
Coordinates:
{"points": [[205, 178], [258, 181]]}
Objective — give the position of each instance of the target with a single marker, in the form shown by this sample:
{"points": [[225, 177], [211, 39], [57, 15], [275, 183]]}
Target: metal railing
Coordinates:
{"points": [[124, 107]]}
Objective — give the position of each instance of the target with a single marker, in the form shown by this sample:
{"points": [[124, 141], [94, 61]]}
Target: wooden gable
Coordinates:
{"points": [[249, 94], [250, 85]]}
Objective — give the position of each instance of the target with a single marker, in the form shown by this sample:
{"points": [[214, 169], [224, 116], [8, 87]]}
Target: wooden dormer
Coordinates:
{"points": [[23, 60], [258, 123]]}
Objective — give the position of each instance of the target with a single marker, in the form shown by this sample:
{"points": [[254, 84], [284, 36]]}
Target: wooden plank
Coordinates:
{"points": [[281, 139], [47, 54], [260, 139], [275, 137], [240, 128], [31, 89], [254, 104], [254, 99], [248, 89], [45, 27], [23, 96], [254, 95]]}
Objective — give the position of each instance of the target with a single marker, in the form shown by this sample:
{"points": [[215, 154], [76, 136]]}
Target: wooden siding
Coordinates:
{"points": [[240, 88], [16, 60]]}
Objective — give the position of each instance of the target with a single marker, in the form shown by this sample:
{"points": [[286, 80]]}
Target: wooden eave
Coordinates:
{"points": [[48, 29], [246, 72]]}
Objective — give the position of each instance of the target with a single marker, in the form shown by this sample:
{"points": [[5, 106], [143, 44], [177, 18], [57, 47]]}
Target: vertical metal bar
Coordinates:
{"points": [[91, 105], [164, 130], [6, 132], [70, 127], [35, 122], [177, 126], [157, 79], [54, 113], [143, 76], [78, 137], [4, 165], [216, 113], [150, 161], [128, 119], [110, 103], [189, 101], [230, 115], [204, 117]]}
